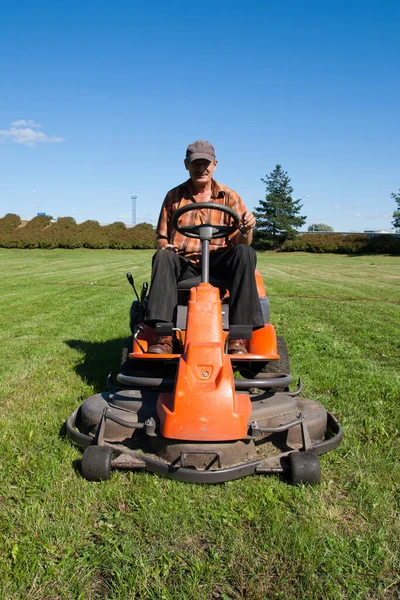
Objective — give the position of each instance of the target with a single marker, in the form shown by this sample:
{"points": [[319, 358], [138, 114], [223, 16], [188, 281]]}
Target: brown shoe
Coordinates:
{"points": [[237, 347], [163, 346]]}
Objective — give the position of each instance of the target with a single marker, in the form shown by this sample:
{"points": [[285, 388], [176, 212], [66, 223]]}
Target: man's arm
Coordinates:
{"points": [[162, 243]]}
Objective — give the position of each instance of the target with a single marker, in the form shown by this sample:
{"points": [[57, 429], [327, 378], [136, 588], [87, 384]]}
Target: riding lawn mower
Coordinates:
{"points": [[202, 415]]}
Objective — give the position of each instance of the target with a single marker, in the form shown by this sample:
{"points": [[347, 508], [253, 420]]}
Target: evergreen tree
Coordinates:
{"points": [[396, 214], [278, 215]]}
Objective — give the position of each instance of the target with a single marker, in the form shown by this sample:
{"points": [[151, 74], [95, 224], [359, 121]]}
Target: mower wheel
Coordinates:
{"points": [[126, 362], [96, 463], [304, 468], [273, 366], [279, 366], [283, 364]]}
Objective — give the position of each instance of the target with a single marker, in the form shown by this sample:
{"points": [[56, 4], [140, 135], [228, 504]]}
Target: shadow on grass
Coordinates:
{"points": [[99, 359], [77, 466]]}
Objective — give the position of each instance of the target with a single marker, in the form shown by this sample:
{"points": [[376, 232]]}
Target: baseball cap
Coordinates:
{"points": [[200, 149]]}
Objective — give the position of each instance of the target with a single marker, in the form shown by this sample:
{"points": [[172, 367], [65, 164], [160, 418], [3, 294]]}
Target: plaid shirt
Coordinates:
{"points": [[181, 196]]}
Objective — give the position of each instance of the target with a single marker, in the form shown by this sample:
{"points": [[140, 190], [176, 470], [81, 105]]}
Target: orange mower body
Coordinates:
{"points": [[204, 405], [200, 414]]}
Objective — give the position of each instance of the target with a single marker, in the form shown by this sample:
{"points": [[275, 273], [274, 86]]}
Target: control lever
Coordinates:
{"points": [[143, 294], [131, 281]]}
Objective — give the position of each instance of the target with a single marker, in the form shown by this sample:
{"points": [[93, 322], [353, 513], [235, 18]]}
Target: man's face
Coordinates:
{"points": [[201, 170]]}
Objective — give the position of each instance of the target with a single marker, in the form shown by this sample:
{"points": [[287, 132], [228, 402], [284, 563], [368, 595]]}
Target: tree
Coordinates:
{"points": [[278, 215], [396, 214], [319, 227]]}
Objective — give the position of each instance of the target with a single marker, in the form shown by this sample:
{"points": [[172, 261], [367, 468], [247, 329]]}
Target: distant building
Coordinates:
{"points": [[368, 232]]}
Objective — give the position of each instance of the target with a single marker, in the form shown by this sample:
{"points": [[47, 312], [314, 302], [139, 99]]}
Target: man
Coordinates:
{"points": [[179, 257]]}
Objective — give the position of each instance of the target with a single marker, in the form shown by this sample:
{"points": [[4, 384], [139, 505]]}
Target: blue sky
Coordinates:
{"points": [[120, 88]]}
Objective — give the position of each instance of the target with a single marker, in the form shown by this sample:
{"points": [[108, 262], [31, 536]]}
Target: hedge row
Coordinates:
{"points": [[41, 232], [358, 243]]}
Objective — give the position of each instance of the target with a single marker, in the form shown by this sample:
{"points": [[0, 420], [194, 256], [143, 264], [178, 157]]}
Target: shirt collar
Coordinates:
{"points": [[216, 190]]}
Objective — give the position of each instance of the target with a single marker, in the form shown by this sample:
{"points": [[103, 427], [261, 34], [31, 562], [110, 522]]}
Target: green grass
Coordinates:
{"points": [[64, 316]]}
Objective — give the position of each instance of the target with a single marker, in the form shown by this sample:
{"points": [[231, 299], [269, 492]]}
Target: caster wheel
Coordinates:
{"points": [[304, 468], [96, 463]]}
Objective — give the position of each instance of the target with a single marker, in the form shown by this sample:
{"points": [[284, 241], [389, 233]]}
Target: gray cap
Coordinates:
{"points": [[200, 149]]}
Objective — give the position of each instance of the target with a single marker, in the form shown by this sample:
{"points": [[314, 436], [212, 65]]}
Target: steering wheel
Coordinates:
{"points": [[218, 231]]}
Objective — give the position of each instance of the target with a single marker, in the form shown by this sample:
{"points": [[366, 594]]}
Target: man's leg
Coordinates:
{"points": [[237, 265], [168, 268]]}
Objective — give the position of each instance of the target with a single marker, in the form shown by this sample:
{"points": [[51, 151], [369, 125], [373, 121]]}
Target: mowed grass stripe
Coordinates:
{"points": [[339, 277]]}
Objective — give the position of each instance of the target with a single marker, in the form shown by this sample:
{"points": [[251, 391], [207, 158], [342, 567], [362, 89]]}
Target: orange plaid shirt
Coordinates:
{"points": [[181, 196]]}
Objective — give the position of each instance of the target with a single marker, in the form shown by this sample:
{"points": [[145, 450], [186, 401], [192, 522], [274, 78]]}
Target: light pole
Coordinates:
{"points": [[307, 196], [133, 198]]}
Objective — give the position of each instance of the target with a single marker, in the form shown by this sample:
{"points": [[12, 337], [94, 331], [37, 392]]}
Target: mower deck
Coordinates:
{"points": [[120, 430]]}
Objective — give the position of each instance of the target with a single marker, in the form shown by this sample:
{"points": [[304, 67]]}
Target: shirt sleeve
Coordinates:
{"points": [[163, 219], [237, 203]]}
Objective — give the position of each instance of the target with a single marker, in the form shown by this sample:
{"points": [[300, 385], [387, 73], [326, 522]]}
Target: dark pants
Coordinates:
{"points": [[235, 265]]}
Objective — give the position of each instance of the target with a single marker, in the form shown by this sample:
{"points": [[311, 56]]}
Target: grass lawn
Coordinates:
{"points": [[64, 317]]}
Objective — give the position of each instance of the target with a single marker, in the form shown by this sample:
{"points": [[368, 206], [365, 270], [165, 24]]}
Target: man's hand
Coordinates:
{"points": [[245, 233], [170, 247], [162, 243], [248, 222]]}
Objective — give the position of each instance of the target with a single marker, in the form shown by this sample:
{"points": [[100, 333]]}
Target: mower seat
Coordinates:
{"points": [[184, 288], [190, 282]]}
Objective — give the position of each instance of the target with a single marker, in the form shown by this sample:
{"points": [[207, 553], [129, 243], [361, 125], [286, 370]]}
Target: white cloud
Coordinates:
{"points": [[370, 216], [346, 206], [23, 123], [25, 132]]}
